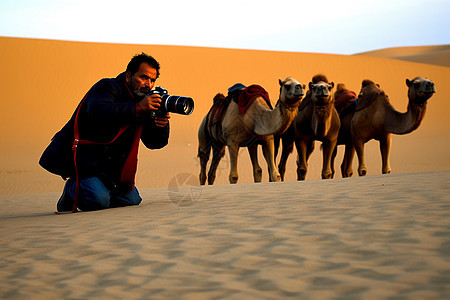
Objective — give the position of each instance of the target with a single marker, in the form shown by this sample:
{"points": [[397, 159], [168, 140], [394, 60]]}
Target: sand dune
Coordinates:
{"points": [[42, 81], [373, 237], [434, 55]]}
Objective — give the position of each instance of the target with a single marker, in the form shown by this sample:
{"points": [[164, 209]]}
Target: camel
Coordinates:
{"points": [[317, 119], [375, 118], [345, 103], [256, 126]]}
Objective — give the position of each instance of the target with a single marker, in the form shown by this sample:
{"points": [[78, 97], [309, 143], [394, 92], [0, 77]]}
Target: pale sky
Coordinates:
{"points": [[322, 26]]}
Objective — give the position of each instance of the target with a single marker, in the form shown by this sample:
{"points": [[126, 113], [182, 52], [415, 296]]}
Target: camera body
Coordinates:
{"points": [[169, 103]]}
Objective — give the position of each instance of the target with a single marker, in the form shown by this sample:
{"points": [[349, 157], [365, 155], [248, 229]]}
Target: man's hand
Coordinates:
{"points": [[152, 102], [162, 121]]}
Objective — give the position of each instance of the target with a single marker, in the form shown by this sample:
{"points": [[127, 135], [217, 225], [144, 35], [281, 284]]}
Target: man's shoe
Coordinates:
{"points": [[65, 203]]}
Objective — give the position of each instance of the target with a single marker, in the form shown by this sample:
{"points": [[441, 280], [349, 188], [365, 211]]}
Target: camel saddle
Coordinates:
{"points": [[217, 111], [248, 95], [344, 100]]}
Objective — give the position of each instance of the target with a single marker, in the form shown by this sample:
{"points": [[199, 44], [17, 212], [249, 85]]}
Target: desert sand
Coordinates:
{"points": [[435, 55], [372, 237]]}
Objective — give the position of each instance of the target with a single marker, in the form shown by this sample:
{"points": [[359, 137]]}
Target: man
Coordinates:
{"points": [[110, 120]]}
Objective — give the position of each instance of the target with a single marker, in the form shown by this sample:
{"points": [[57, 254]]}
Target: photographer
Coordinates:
{"points": [[109, 122]]}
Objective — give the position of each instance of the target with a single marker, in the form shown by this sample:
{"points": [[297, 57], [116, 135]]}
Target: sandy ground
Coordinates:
{"points": [[373, 237]]}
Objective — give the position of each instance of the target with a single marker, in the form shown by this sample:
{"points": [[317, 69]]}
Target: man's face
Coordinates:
{"points": [[143, 80]]}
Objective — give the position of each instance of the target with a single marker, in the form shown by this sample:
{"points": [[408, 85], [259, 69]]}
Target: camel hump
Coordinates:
{"points": [[219, 97], [319, 78], [343, 99], [369, 93], [217, 111], [366, 82]]}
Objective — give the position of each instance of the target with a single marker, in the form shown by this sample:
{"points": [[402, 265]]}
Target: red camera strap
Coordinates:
{"points": [[130, 166]]}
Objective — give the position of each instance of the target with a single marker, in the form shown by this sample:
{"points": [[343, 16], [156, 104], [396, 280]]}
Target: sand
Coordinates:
{"points": [[373, 237], [435, 55]]}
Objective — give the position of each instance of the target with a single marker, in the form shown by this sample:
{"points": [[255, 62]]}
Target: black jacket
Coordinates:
{"points": [[108, 106]]}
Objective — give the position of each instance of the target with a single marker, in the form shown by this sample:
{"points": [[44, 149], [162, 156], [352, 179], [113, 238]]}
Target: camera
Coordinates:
{"points": [[175, 104]]}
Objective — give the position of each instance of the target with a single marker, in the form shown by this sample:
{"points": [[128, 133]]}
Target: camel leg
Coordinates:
{"points": [[359, 147], [347, 162], [218, 153], [385, 146], [203, 155], [328, 148], [276, 144], [204, 150], [257, 171], [333, 157], [268, 151], [288, 147], [233, 149], [302, 159]]}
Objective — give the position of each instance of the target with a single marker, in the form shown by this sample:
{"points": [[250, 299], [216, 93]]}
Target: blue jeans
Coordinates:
{"points": [[94, 195]]}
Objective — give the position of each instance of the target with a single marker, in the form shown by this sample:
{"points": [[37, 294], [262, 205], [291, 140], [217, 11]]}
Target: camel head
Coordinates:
{"points": [[291, 92], [321, 92], [420, 89]]}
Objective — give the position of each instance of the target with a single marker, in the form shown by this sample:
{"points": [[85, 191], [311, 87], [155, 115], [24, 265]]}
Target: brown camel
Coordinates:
{"points": [[345, 103], [375, 118], [250, 128], [317, 119]]}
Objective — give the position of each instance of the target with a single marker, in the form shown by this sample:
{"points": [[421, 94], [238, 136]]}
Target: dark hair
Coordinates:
{"points": [[138, 59]]}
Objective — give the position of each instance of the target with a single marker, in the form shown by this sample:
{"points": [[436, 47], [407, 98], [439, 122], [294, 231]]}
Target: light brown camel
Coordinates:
{"points": [[317, 119], [255, 126], [375, 118]]}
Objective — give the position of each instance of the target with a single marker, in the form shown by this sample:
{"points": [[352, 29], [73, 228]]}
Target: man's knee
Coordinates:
{"points": [[135, 199], [93, 194], [130, 198]]}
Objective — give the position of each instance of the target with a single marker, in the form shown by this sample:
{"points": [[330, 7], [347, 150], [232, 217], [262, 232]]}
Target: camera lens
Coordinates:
{"points": [[178, 104]]}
